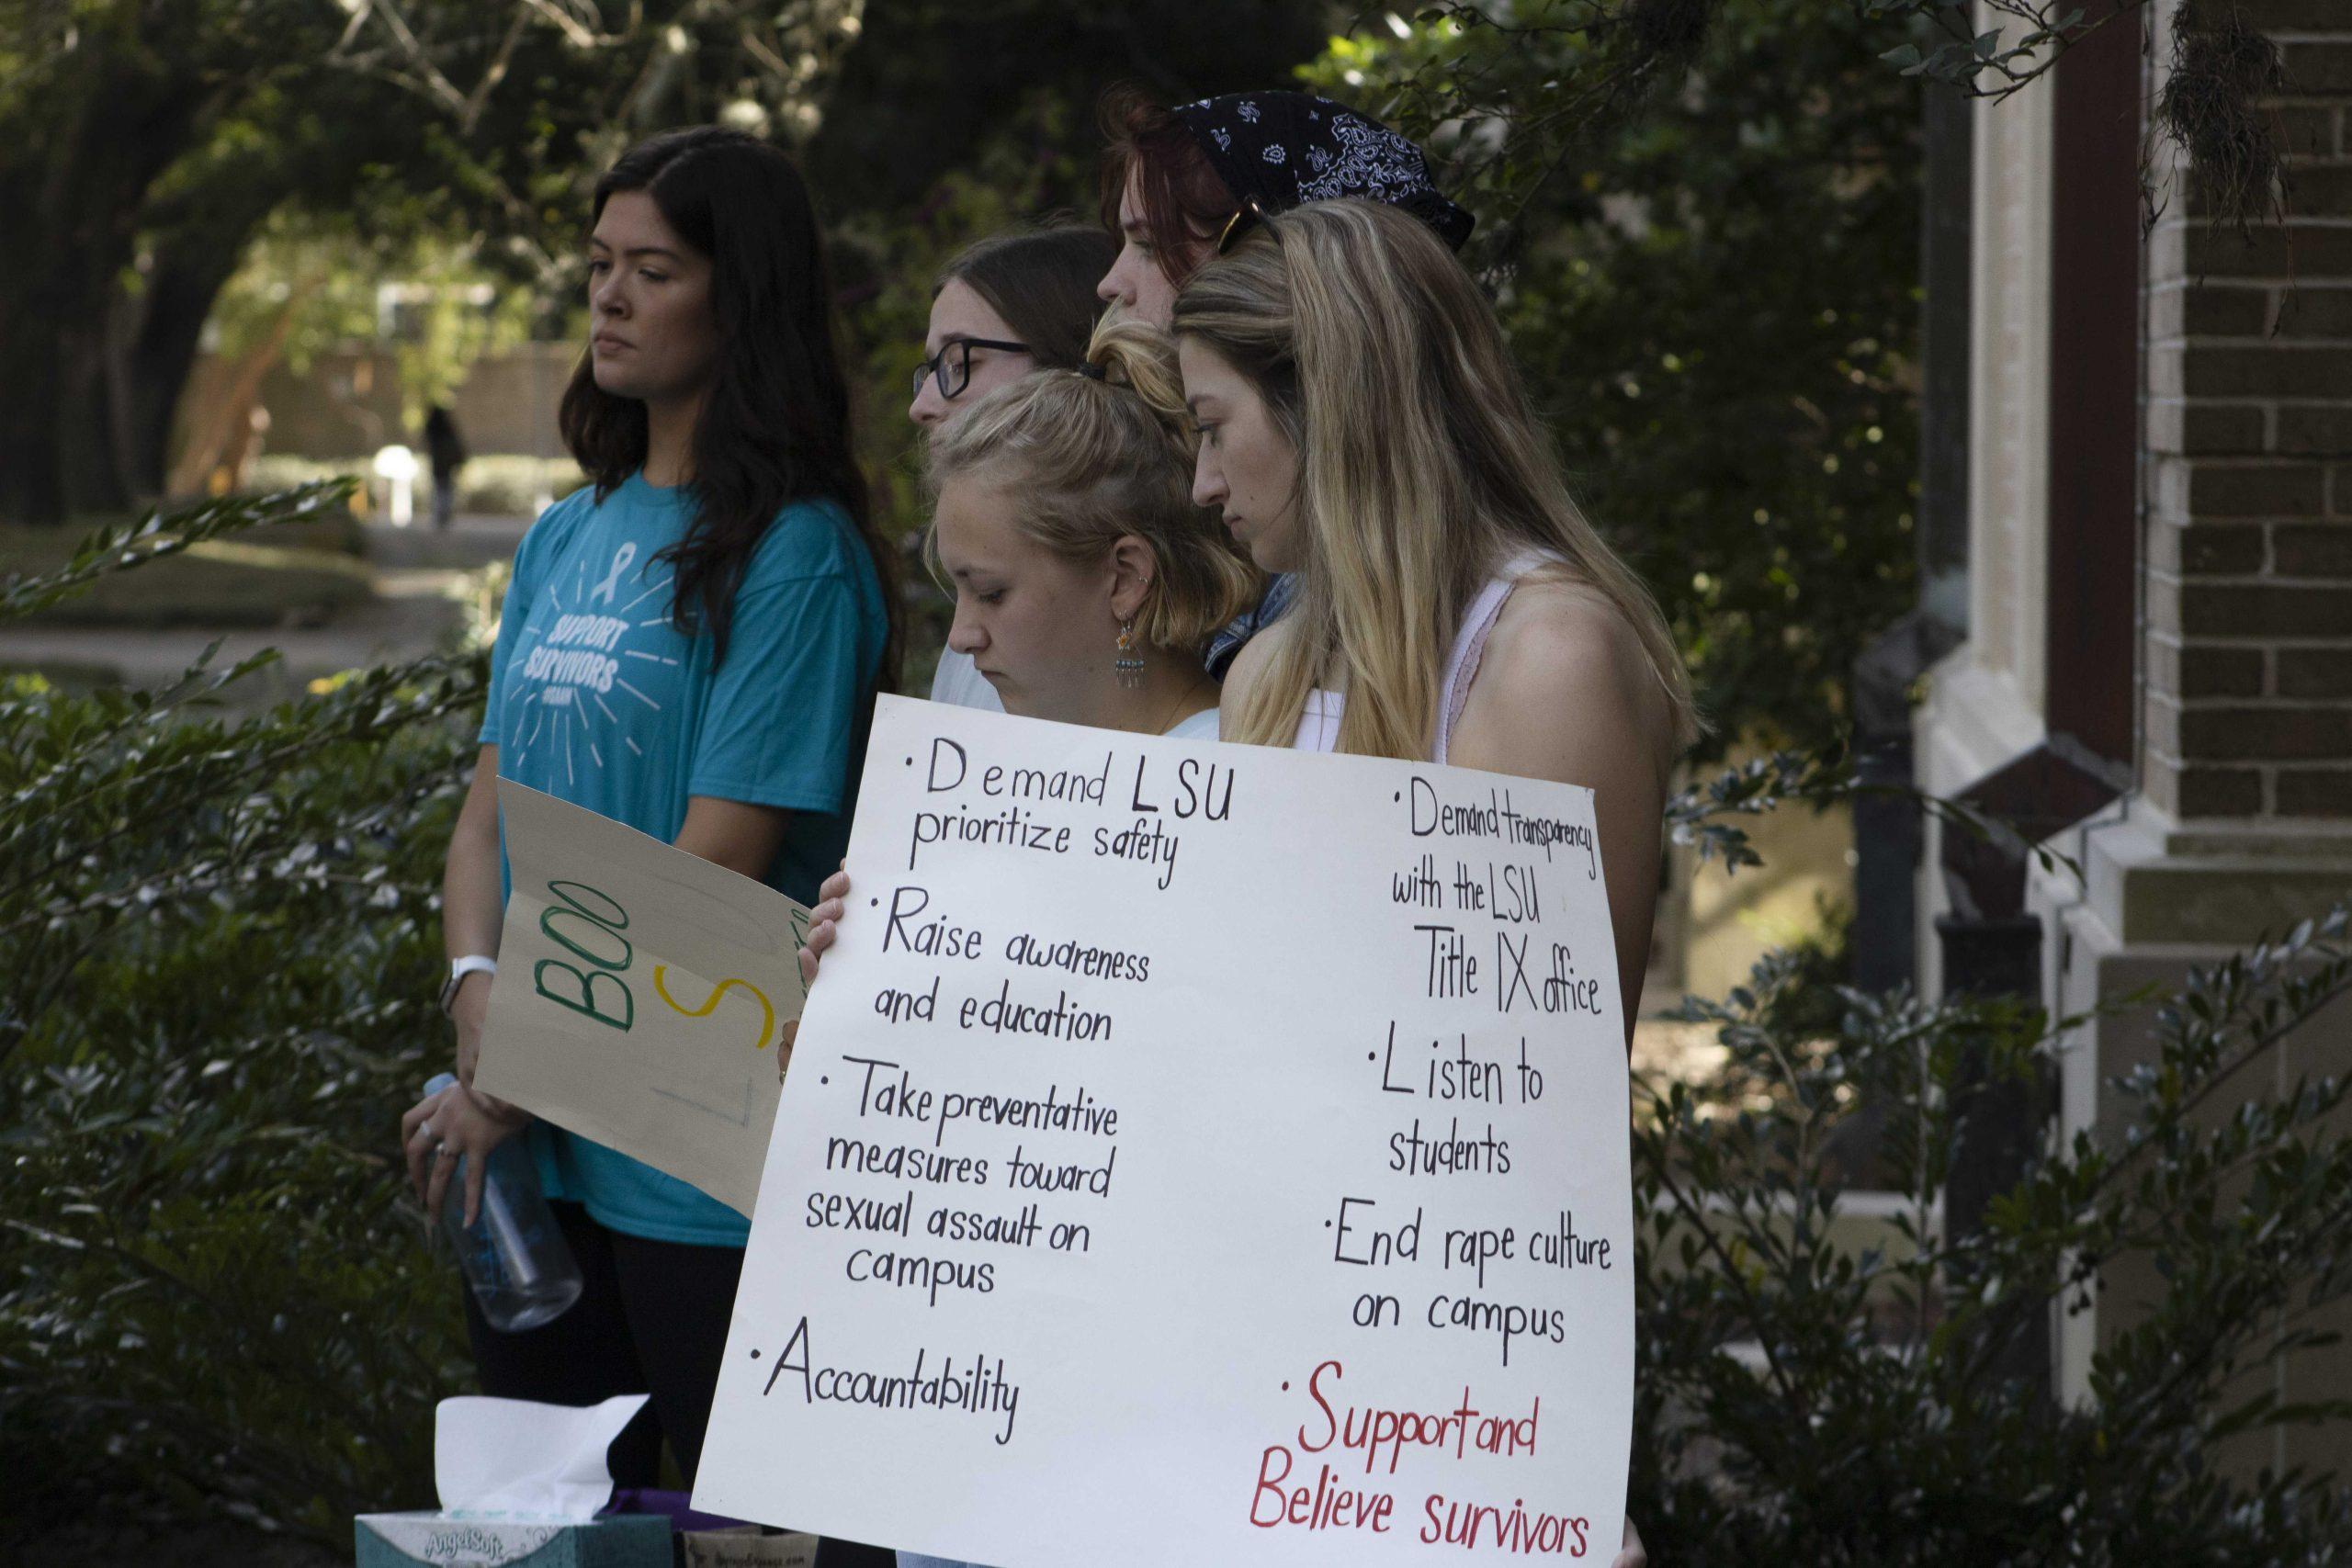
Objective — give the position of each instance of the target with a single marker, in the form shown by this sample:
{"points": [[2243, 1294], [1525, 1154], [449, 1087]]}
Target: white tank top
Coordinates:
{"points": [[1318, 720], [1201, 726]]}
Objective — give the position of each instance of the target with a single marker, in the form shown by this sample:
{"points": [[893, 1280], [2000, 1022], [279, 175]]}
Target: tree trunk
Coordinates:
{"points": [[225, 436], [203, 243], [77, 189], [156, 353]]}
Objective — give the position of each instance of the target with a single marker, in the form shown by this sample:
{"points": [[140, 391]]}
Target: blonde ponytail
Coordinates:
{"points": [[1139, 356]]}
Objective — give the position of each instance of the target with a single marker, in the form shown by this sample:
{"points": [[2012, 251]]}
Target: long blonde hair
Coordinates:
{"points": [[1098, 453], [1422, 467]]}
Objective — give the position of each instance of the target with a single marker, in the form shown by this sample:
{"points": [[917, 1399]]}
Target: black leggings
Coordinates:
{"points": [[651, 1317]]}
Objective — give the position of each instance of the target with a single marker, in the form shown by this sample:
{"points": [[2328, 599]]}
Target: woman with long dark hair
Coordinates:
{"points": [[691, 644]]}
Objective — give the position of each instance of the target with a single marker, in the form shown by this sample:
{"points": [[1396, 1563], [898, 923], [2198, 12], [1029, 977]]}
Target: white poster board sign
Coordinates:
{"points": [[641, 996], [1195, 1154]]}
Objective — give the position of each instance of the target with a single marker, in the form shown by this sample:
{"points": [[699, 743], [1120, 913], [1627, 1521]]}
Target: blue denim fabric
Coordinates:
{"points": [[1249, 624]]}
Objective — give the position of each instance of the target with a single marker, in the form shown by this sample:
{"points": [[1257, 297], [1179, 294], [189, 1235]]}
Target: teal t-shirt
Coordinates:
{"points": [[597, 698]]}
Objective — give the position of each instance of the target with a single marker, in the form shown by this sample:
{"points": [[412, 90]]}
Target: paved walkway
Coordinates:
{"points": [[467, 542], [423, 581]]}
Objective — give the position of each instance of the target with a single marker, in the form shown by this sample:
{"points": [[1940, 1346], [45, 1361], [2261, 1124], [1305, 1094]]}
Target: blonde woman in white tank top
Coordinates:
{"points": [[1361, 425]]}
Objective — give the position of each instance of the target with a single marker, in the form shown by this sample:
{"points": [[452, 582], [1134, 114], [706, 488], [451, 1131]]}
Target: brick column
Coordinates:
{"points": [[2248, 657], [2242, 823]]}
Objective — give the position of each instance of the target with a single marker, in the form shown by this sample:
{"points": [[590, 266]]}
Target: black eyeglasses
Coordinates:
{"points": [[952, 366]]}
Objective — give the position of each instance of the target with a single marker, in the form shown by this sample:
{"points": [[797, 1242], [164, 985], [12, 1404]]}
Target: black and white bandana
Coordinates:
{"points": [[1285, 149]]}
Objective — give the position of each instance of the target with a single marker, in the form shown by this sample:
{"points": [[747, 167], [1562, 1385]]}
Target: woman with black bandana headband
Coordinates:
{"points": [[1177, 182], [1179, 185]]}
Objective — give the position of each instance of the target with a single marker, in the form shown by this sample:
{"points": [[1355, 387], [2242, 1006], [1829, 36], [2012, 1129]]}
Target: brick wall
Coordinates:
{"points": [[2248, 656]]}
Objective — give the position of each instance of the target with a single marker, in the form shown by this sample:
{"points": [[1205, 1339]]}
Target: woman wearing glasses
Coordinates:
{"points": [[1010, 304]]}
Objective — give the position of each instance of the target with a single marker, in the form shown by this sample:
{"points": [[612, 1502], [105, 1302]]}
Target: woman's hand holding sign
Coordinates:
{"points": [[832, 900]]}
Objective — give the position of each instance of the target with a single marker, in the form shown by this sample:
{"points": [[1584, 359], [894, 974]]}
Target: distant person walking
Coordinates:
{"points": [[444, 449]]}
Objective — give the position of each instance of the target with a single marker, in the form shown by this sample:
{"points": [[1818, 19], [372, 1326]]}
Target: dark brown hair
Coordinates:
{"points": [[1185, 200], [1041, 282], [776, 428]]}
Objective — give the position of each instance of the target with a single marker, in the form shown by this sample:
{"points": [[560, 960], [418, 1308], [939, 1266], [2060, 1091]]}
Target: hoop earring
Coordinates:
{"points": [[1130, 664]]}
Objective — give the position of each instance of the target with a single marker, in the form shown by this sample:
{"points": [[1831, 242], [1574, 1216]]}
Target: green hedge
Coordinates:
{"points": [[223, 947]]}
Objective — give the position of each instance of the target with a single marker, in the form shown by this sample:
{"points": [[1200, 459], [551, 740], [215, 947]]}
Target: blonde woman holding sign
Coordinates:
{"points": [[1086, 581], [1361, 425]]}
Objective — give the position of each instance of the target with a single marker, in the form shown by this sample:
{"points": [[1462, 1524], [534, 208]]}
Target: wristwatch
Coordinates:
{"points": [[459, 969]]}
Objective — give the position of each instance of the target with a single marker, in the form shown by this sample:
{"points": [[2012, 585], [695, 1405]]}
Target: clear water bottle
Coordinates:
{"points": [[513, 1254]]}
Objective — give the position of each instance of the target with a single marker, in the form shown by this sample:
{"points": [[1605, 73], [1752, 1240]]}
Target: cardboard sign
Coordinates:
{"points": [[1195, 1154], [745, 1548], [641, 995]]}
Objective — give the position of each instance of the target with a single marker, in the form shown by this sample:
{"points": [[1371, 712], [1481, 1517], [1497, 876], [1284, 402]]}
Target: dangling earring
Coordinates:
{"points": [[1130, 664]]}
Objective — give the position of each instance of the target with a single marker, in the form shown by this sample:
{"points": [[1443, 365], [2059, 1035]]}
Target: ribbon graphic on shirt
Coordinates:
{"points": [[603, 592]]}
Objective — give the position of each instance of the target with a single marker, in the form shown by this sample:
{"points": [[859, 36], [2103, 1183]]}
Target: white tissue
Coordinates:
{"points": [[515, 1457]]}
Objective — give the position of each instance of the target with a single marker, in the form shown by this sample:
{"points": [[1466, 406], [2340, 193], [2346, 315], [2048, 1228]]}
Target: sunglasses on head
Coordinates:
{"points": [[1246, 217]]}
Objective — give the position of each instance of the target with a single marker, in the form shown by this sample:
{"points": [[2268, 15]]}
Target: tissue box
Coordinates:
{"points": [[393, 1540]]}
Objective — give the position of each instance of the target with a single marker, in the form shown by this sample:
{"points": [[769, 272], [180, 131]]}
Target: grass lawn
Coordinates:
{"points": [[300, 578]]}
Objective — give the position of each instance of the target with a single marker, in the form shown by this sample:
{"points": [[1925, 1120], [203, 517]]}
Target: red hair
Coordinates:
{"points": [[1185, 201]]}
